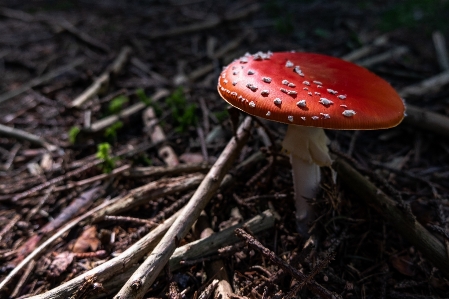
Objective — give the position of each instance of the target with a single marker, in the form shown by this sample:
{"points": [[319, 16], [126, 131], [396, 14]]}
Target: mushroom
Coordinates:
{"points": [[309, 92]]}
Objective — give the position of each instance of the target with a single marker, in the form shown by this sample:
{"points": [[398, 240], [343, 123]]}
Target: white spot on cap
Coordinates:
{"points": [[233, 93], [244, 59], [349, 113], [305, 88], [251, 72], [317, 93], [303, 118], [252, 104], [251, 86], [301, 103], [306, 83], [265, 92], [290, 118], [285, 82], [315, 117], [331, 91], [319, 86], [266, 79], [235, 72], [309, 93], [326, 102], [268, 113], [290, 84], [234, 83], [344, 106], [317, 82], [342, 97], [225, 81], [277, 101], [289, 64], [325, 115]]}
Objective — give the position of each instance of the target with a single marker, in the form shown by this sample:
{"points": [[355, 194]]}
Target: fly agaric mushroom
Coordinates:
{"points": [[309, 92]]}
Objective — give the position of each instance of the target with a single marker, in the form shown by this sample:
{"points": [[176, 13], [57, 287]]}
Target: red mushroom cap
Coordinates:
{"points": [[310, 90]]}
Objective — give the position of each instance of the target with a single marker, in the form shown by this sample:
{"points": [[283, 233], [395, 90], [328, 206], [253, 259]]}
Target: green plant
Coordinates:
{"points": [[111, 131], [184, 114], [116, 105], [73, 132], [140, 93], [103, 153]]}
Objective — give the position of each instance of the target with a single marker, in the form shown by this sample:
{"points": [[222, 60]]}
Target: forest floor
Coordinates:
{"points": [[117, 122]]}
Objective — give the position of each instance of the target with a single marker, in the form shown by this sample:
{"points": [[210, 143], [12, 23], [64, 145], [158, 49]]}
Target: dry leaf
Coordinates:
{"points": [[88, 241]]}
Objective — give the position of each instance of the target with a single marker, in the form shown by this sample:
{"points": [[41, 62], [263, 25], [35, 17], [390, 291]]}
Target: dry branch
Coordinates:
{"points": [[157, 135], [167, 170], [102, 82], [47, 243], [429, 85], [311, 284], [112, 268], [441, 50], [432, 121], [141, 280], [23, 135], [115, 272], [148, 192], [39, 80], [393, 53], [408, 227], [206, 24], [112, 119]]}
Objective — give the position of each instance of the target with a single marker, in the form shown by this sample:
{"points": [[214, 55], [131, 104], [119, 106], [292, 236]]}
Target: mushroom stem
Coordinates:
{"points": [[306, 178], [308, 151]]}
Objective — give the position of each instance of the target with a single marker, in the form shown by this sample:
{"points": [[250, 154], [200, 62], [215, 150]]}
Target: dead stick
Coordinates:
{"points": [[23, 135], [102, 81], [111, 268], [142, 279], [115, 272], [47, 243], [412, 230], [148, 192], [311, 284], [432, 121], [39, 80]]}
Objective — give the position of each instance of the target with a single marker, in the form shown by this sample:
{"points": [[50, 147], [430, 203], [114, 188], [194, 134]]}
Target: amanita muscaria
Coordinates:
{"points": [[309, 92]]}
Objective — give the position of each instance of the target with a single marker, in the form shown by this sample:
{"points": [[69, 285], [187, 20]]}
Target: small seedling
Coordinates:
{"points": [[116, 105], [111, 131], [73, 133], [103, 153], [183, 113]]}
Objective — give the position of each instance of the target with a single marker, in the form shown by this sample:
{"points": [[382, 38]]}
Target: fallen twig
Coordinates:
{"points": [[157, 135], [102, 82], [113, 267], [441, 50], [311, 284], [393, 53], [412, 230], [148, 192], [77, 206], [206, 24], [115, 272], [426, 86], [39, 80], [47, 243], [20, 134], [138, 284], [432, 121]]}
